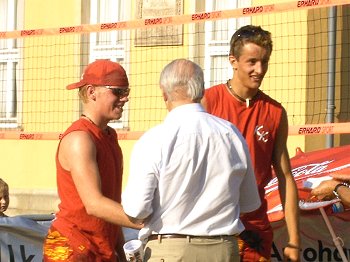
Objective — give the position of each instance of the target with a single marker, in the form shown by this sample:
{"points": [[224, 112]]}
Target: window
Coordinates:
{"points": [[113, 45], [217, 40], [10, 85]]}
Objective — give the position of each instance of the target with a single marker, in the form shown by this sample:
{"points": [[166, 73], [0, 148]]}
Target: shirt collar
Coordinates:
{"points": [[184, 109]]}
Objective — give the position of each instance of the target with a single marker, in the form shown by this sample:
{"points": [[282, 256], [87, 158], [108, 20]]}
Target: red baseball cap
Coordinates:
{"points": [[102, 72]]}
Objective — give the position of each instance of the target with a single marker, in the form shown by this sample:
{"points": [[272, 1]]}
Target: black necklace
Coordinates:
{"points": [[92, 122], [88, 118], [244, 100]]}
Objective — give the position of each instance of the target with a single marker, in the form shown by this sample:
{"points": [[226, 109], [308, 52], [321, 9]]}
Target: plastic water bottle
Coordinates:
{"points": [[337, 207]]}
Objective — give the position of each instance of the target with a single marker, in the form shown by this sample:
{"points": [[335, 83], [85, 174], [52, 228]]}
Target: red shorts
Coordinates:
{"points": [[59, 248], [262, 252]]}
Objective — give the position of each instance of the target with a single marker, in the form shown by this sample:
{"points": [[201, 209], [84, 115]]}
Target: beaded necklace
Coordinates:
{"points": [[246, 100]]}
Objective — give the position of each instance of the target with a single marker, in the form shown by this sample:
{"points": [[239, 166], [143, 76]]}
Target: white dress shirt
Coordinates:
{"points": [[191, 175]]}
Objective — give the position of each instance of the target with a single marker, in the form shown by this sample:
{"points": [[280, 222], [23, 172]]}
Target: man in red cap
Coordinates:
{"points": [[89, 164]]}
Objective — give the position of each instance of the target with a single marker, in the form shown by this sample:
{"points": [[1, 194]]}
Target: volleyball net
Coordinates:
{"points": [[36, 65]]}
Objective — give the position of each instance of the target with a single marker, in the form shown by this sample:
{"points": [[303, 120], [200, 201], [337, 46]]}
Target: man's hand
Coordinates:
{"points": [[324, 191], [291, 253]]}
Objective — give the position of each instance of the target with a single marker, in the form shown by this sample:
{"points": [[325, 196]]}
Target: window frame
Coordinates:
{"points": [[10, 57], [215, 49], [119, 48]]}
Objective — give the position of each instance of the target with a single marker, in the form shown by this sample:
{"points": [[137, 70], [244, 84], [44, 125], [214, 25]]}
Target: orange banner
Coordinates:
{"points": [[316, 129], [122, 135], [178, 19], [320, 129]]}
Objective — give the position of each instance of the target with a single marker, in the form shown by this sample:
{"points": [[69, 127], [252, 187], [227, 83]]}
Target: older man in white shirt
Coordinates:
{"points": [[190, 177]]}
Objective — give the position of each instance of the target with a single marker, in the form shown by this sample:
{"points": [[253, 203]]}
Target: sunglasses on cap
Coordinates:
{"points": [[248, 33], [119, 92]]}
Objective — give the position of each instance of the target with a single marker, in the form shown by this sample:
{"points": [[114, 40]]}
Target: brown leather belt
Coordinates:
{"points": [[167, 236]]}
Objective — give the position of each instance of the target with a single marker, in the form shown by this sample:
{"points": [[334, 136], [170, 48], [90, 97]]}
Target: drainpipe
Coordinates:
{"points": [[332, 31]]}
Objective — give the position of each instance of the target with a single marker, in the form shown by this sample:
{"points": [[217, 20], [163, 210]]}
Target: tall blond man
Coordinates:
{"points": [[263, 123]]}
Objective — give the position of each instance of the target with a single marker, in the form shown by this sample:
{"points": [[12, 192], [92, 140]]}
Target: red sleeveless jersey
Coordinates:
{"points": [[72, 220], [258, 123]]}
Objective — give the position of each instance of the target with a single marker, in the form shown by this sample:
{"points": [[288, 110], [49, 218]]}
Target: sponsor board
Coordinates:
{"points": [[21, 239]]}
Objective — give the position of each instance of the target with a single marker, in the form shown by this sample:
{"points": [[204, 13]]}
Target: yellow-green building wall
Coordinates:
{"points": [[30, 164]]}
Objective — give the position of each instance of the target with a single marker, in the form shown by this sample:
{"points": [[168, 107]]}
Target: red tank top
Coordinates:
{"points": [[71, 219], [258, 123]]}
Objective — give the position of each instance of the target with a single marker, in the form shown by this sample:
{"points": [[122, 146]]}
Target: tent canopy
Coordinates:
{"points": [[309, 168]]}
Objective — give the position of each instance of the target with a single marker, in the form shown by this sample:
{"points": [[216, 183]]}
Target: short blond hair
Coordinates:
{"points": [[83, 94]]}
